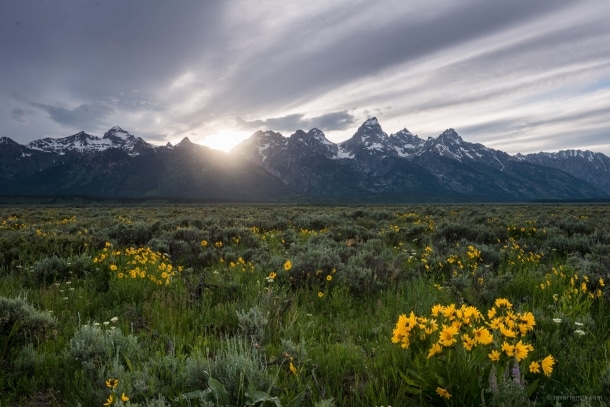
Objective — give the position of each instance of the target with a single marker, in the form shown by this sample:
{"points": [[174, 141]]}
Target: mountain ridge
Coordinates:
{"points": [[368, 167]]}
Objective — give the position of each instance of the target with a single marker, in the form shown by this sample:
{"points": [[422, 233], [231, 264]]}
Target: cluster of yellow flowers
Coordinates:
{"points": [[517, 257], [574, 293], [529, 229], [241, 264], [113, 397], [501, 333], [138, 263], [12, 223]]}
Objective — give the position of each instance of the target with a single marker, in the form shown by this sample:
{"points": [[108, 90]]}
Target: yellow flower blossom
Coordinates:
{"points": [[447, 335], [435, 350], [547, 365], [521, 350], [508, 349], [483, 336], [443, 393], [494, 355]]}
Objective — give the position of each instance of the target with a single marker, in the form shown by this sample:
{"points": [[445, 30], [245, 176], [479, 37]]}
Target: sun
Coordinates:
{"points": [[225, 139]]}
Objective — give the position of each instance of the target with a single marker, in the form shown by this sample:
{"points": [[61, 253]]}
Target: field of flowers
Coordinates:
{"points": [[184, 305]]}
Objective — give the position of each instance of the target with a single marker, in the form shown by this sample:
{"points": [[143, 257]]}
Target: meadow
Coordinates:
{"points": [[186, 305]]}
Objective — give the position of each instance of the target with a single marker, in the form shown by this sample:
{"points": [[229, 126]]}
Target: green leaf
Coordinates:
{"points": [[296, 402], [253, 398], [222, 397]]}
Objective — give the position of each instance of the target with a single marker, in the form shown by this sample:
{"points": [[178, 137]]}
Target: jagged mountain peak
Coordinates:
{"points": [[7, 140], [117, 133], [369, 139], [450, 134], [185, 142]]}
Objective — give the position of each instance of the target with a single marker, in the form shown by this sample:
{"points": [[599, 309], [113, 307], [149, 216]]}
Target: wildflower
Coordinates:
{"points": [[468, 342], [113, 267], [329, 277], [124, 398], [287, 265], [579, 332], [494, 355], [557, 320], [578, 323], [503, 302], [535, 367], [547, 365], [292, 368], [320, 294], [110, 400], [114, 319], [483, 336], [112, 383], [601, 282], [434, 350], [449, 312], [436, 309], [521, 350], [495, 323], [528, 320], [508, 349], [443, 393], [272, 275], [447, 335], [507, 332]]}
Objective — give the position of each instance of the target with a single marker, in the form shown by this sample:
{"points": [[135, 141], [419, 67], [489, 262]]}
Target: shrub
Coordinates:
{"points": [[21, 324], [49, 270], [240, 367]]}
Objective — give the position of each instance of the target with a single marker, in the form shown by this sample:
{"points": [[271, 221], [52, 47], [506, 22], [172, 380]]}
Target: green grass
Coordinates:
{"points": [[223, 325]]}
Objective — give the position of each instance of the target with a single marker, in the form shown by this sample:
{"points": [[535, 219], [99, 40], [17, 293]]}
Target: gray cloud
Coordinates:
{"points": [[18, 115], [81, 117], [167, 70], [327, 122]]}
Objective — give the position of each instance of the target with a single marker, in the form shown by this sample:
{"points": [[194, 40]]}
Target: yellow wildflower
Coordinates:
{"points": [[434, 350], [547, 365], [483, 336], [467, 342], [494, 355], [508, 349], [124, 398], [534, 367], [287, 265], [110, 400], [503, 302], [521, 350], [446, 337], [112, 383], [443, 393]]}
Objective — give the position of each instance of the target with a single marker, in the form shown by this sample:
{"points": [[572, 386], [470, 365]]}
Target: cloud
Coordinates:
{"points": [[85, 116], [327, 122], [492, 70], [18, 115]]}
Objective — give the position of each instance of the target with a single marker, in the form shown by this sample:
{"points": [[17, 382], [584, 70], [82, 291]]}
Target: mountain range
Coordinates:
{"points": [[371, 166]]}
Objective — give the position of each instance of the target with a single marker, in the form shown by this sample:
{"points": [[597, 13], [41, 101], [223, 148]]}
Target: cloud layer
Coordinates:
{"points": [[519, 76]]}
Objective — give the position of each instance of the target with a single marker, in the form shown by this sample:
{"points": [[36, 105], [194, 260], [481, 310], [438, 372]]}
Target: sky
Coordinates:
{"points": [[519, 76]]}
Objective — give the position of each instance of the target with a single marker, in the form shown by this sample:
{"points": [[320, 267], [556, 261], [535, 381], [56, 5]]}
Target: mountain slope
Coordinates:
{"points": [[371, 166]]}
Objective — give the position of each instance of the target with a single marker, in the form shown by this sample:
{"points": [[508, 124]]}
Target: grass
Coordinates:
{"points": [[232, 323]]}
